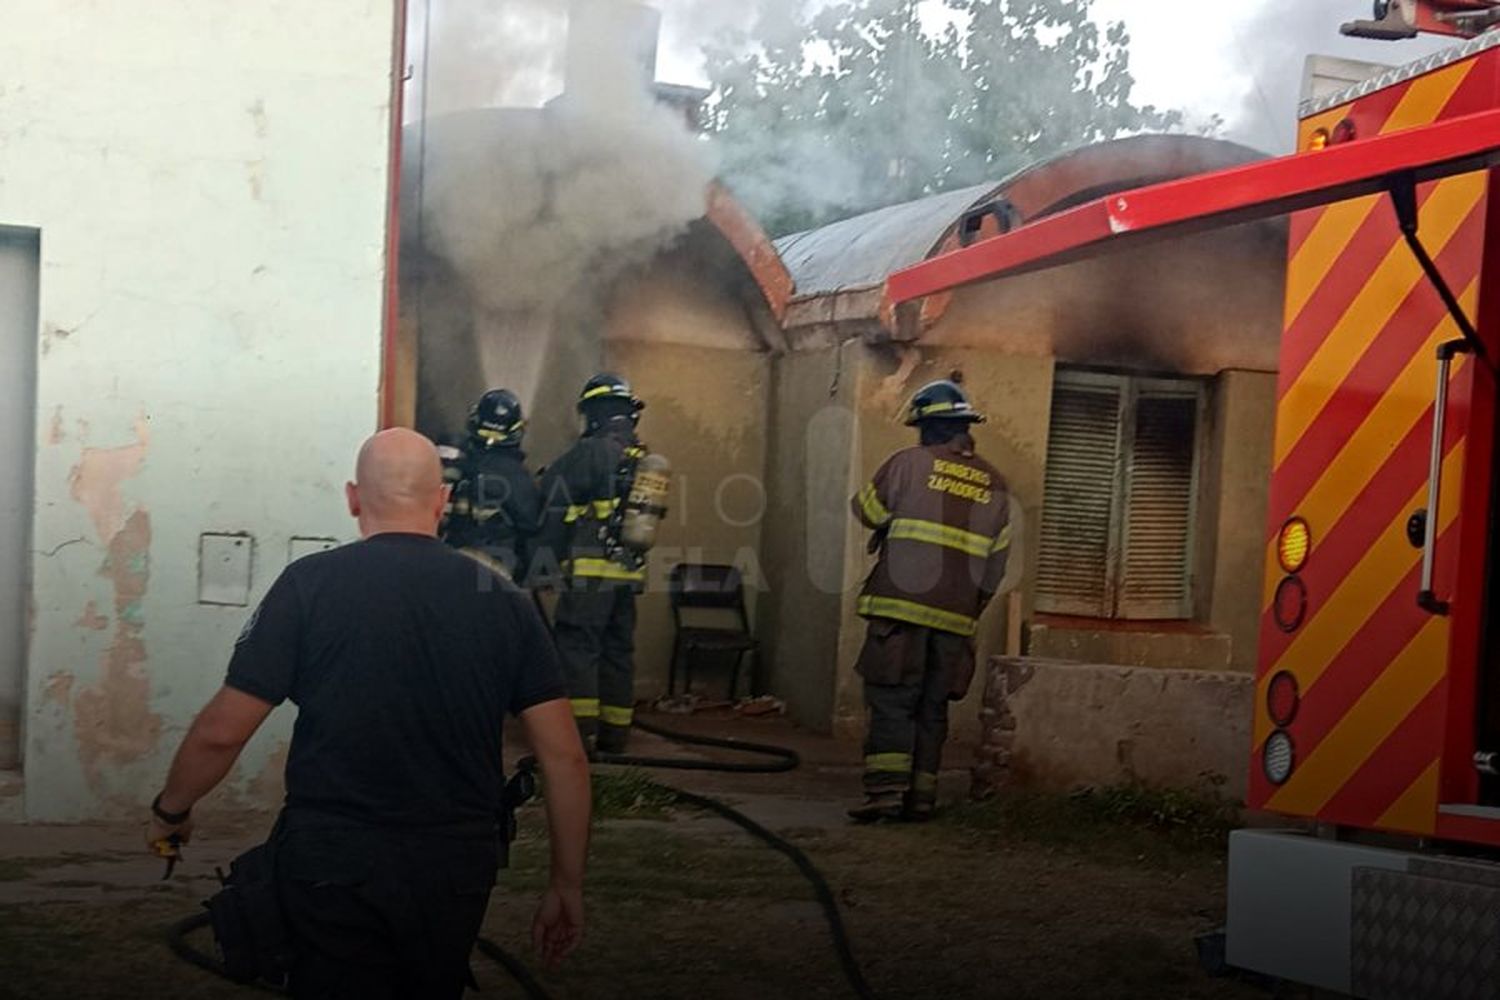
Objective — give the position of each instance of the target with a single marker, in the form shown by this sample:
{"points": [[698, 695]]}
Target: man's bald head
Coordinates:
{"points": [[398, 484]]}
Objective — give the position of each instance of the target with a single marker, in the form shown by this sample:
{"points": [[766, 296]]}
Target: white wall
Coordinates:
{"points": [[210, 182]]}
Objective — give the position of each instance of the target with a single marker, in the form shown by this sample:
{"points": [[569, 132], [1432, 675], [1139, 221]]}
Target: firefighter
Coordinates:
{"points": [[583, 494], [494, 509], [940, 516]]}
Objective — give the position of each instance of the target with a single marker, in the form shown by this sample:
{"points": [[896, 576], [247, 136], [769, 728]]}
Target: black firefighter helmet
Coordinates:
{"points": [[941, 400], [496, 420], [607, 396]]}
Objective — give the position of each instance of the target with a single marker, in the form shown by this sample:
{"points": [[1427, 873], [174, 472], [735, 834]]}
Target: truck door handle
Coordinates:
{"points": [[1427, 600]]}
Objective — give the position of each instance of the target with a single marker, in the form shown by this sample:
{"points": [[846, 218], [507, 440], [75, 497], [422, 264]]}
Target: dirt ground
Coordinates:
{"points": [[1030, 896]]}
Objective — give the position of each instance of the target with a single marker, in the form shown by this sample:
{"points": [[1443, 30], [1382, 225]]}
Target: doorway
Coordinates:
{"points": [[20, 268]]}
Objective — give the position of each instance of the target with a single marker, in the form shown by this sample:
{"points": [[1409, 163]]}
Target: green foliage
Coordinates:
{"points": [[629, 794], [857, 106], [1136, 820]]}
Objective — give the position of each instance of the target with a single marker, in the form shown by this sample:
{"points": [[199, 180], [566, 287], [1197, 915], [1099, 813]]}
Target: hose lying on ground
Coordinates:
{"points": [[785, 759]]}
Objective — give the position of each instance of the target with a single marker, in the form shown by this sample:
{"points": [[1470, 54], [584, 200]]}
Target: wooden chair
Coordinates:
{"points": [[706, 587]]}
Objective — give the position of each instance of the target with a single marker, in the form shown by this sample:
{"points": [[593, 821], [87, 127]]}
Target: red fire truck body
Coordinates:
{"points": [[1377, 710]]}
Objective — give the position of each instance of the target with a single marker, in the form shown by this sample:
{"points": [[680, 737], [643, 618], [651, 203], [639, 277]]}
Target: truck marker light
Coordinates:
{"points": [[1283, 698], [1290, 606], [1318, 141], [1343, 132], [1278, 757], [1293, 545]]}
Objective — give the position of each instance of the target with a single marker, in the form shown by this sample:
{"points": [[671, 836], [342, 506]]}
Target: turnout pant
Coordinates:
{"points": [[596, 641], [379, 913], [910, 674]]}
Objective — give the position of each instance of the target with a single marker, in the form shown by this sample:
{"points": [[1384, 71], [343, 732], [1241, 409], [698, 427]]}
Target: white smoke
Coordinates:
{"points": [[1270, 47], [536, 213]]}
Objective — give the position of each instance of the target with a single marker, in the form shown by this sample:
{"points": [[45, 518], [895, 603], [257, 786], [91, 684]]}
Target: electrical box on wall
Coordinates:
{"points": [[225, 569], [302, 546]]}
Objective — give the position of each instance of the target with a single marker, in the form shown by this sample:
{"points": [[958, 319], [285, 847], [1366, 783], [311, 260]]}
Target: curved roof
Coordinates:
{"points": [[860, 253]]}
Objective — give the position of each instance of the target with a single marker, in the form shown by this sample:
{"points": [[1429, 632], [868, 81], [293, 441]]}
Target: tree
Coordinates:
{"points": [[857, 106]]}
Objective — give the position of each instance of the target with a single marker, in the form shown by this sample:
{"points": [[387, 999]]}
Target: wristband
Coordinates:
{"points": [[171, 819]]}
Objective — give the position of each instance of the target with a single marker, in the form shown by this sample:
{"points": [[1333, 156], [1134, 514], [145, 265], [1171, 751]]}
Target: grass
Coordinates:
{"points": [[1028, 896], [629, 794], [1159, 825]]}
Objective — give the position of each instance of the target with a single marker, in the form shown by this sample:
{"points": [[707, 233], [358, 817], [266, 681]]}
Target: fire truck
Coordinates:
{"points": [[1376, 744]]}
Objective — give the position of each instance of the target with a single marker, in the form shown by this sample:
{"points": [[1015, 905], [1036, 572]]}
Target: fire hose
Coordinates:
{"points": [[781, 760]]}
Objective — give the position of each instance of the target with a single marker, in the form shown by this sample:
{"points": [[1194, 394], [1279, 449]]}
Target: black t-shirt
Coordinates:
{"points": [[403, 658]]}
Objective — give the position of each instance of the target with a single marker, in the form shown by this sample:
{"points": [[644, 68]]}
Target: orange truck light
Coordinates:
{"points": [[1293, 545]]}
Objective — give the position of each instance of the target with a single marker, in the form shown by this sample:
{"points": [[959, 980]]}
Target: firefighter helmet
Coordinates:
{"points": [[496, 420], [941, 400], [605, 386]]}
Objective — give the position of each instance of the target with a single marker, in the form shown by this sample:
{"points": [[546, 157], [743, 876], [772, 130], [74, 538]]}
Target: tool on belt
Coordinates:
{"points": [[169, 848]]}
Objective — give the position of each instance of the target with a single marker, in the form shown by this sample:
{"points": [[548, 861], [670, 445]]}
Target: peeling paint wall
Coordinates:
{"points": [[211, 185]]}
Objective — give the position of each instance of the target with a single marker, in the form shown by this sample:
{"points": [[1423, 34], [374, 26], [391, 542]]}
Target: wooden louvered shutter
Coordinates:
{"points": [[1160, 486], [1078, 515]]}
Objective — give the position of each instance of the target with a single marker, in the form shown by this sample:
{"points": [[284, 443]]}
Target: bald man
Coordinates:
{"points": [[403, 664]]}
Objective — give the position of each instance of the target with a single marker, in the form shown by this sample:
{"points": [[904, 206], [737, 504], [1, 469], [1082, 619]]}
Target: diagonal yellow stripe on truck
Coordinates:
{"points": [[936, 533], [875, 511], [913, 613]]}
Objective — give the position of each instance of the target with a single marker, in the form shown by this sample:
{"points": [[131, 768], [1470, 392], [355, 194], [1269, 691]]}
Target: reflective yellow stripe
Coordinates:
{"points": [[917, 614], [888, 763], [585, 708], [604, 508], [932, 408], [574, 513], [603, 390], [923, 782], [1002, 541], [875, 511], [614, 715], [935, 533], [604, 569]]}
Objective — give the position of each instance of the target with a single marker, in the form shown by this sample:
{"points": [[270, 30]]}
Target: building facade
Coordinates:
{"points": [[193, 261]]}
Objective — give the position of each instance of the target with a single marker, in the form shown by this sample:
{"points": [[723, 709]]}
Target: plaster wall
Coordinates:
{"points": [[705, 414], [211, 187]]}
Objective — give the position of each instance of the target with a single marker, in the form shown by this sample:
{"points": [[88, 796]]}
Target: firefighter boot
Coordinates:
{"points": [[917, 808], [921, 798], [612, 739], [879, 807]]}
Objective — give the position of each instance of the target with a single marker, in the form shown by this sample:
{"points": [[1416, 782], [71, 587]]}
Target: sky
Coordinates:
{"points": [[1239, 59]]}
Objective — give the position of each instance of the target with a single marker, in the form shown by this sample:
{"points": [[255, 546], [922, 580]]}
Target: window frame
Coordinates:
{"points": [[1130, 387]]}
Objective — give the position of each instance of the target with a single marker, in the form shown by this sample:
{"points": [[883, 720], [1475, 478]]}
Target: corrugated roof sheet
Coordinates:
{"points": [[862, 252]]}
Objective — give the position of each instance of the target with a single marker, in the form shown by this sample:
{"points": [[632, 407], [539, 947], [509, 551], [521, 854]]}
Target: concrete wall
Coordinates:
{"points": [[1070, 725], [211, 186], [1194, 306], [805, 615], [1236, 497], [689, 351]]}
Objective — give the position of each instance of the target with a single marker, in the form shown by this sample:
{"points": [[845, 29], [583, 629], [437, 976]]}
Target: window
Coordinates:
{"points": [[1120, 497]]}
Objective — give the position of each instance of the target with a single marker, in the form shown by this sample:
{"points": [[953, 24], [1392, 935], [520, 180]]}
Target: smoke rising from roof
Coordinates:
{"points": [[1274, 42], [535, 213]]}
